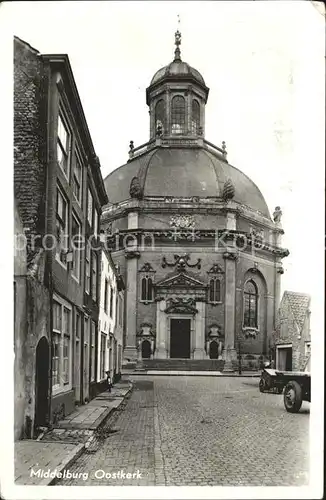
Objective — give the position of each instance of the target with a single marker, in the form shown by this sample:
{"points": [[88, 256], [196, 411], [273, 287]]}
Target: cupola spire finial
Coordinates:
{"points": [[177, 56]]}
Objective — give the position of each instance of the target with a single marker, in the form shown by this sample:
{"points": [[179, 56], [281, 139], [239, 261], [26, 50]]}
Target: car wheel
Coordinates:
{"points": [[261, 385], [292, 397]]}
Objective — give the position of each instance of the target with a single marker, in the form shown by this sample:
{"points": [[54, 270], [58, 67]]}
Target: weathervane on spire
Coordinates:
{"points": [[177, 43]]}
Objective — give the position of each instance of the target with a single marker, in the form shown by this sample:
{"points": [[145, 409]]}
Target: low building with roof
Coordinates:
{"points": [[292, 341]]}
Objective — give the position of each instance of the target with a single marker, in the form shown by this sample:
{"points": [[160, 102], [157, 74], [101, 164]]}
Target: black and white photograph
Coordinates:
{"points": [[164, 316]]}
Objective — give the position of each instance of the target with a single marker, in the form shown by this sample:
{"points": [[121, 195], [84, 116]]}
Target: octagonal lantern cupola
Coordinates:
{"points": [[176, 97]]}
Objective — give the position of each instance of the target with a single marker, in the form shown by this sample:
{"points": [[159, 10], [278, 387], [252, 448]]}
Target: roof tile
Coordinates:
{"points": [[299, 303]]}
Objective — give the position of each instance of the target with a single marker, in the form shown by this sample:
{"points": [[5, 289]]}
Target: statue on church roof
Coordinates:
{"points": [[277, 215], [228, 190], [135, 188], [177, 52]]}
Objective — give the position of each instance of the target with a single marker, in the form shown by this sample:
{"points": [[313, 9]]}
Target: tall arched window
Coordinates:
{"points": [[250, 304], [160, 115], [195, 117], [147, 289], [178, 115], [214, 290]]}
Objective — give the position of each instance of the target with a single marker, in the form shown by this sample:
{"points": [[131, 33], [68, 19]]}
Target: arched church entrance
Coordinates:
{"points": [[180, 338], [42, 382], [146, 349], [213, 350]]}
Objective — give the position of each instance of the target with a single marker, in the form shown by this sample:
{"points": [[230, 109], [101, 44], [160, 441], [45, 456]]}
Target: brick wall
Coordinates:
{"points": [[29, 137]]}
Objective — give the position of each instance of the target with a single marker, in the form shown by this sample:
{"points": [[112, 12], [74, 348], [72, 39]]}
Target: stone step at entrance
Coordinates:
{"points": [[180, 364]]}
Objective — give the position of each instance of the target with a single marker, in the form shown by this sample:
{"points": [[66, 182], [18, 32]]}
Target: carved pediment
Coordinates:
{"points": [[215, 331], [146, 331], [147, 268], [216, 269], [181, 306], [181, 280]]}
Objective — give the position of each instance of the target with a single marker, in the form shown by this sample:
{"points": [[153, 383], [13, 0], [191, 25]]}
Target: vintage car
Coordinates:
{"points": [[294, 385]]}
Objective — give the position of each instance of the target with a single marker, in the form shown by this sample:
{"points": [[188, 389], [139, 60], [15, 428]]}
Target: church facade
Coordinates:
{"points": [[192, 236]]}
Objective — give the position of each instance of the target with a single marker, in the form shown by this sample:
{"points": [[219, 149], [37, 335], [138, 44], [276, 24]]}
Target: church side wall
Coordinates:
{"points": [[264, 278]]}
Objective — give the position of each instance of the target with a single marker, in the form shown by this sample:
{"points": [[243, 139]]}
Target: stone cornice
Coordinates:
{"points": [[219, 238], [189, 205]]}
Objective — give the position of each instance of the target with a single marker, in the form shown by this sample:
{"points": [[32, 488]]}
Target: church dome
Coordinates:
{"points": [[183, 172], [177, 69]]}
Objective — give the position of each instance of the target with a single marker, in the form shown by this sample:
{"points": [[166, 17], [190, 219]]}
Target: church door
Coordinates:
{"points": [[180, 338], [213, 350], [146, 349]]}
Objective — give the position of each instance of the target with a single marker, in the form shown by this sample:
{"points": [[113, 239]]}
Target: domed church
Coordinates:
{"points": [[193, 238]]}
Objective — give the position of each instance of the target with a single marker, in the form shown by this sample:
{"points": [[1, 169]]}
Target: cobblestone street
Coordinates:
{"points": [[200, 431]]}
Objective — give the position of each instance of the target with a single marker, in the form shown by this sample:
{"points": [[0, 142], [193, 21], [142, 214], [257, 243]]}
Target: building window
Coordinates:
{"points": [[96, 223], [215, 290], [63, 143], [250, 304], [75, 242], [102, 356], [66, 345], [106, 290], [94, 276], [178, 115], [195, 117], [87, 268], [77, 179], [307, 348], [111, 302], [55, 359], [146, 289], [121, 311], [86, 351], [61, 227], [93, 331], [61, 341], [90, 207], [160, 115]]}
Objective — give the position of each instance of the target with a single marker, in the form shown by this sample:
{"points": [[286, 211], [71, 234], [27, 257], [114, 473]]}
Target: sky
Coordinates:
{"points": [[264, 63]]}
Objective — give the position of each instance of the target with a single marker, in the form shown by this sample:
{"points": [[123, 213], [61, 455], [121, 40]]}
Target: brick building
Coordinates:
{"points": [[292, 341], [193, 237], [59, 191]]}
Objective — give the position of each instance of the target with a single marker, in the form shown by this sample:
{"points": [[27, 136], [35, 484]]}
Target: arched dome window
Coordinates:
{"points": [[160, 115], [195, 117], [250, 304], [178, 115]]}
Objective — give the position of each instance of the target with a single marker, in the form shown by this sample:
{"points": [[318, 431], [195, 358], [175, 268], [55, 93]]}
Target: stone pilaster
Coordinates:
{"points": [[270, 322], [199, 337], [202, 116], [277, 288], [161, 330], [130, 350], [133, 220], [167, 112], [231, 221], [229, 352]]}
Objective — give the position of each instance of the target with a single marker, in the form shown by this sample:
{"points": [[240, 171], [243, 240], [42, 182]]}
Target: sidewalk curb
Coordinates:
{"points": [[200, 374], [73, 455]]}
